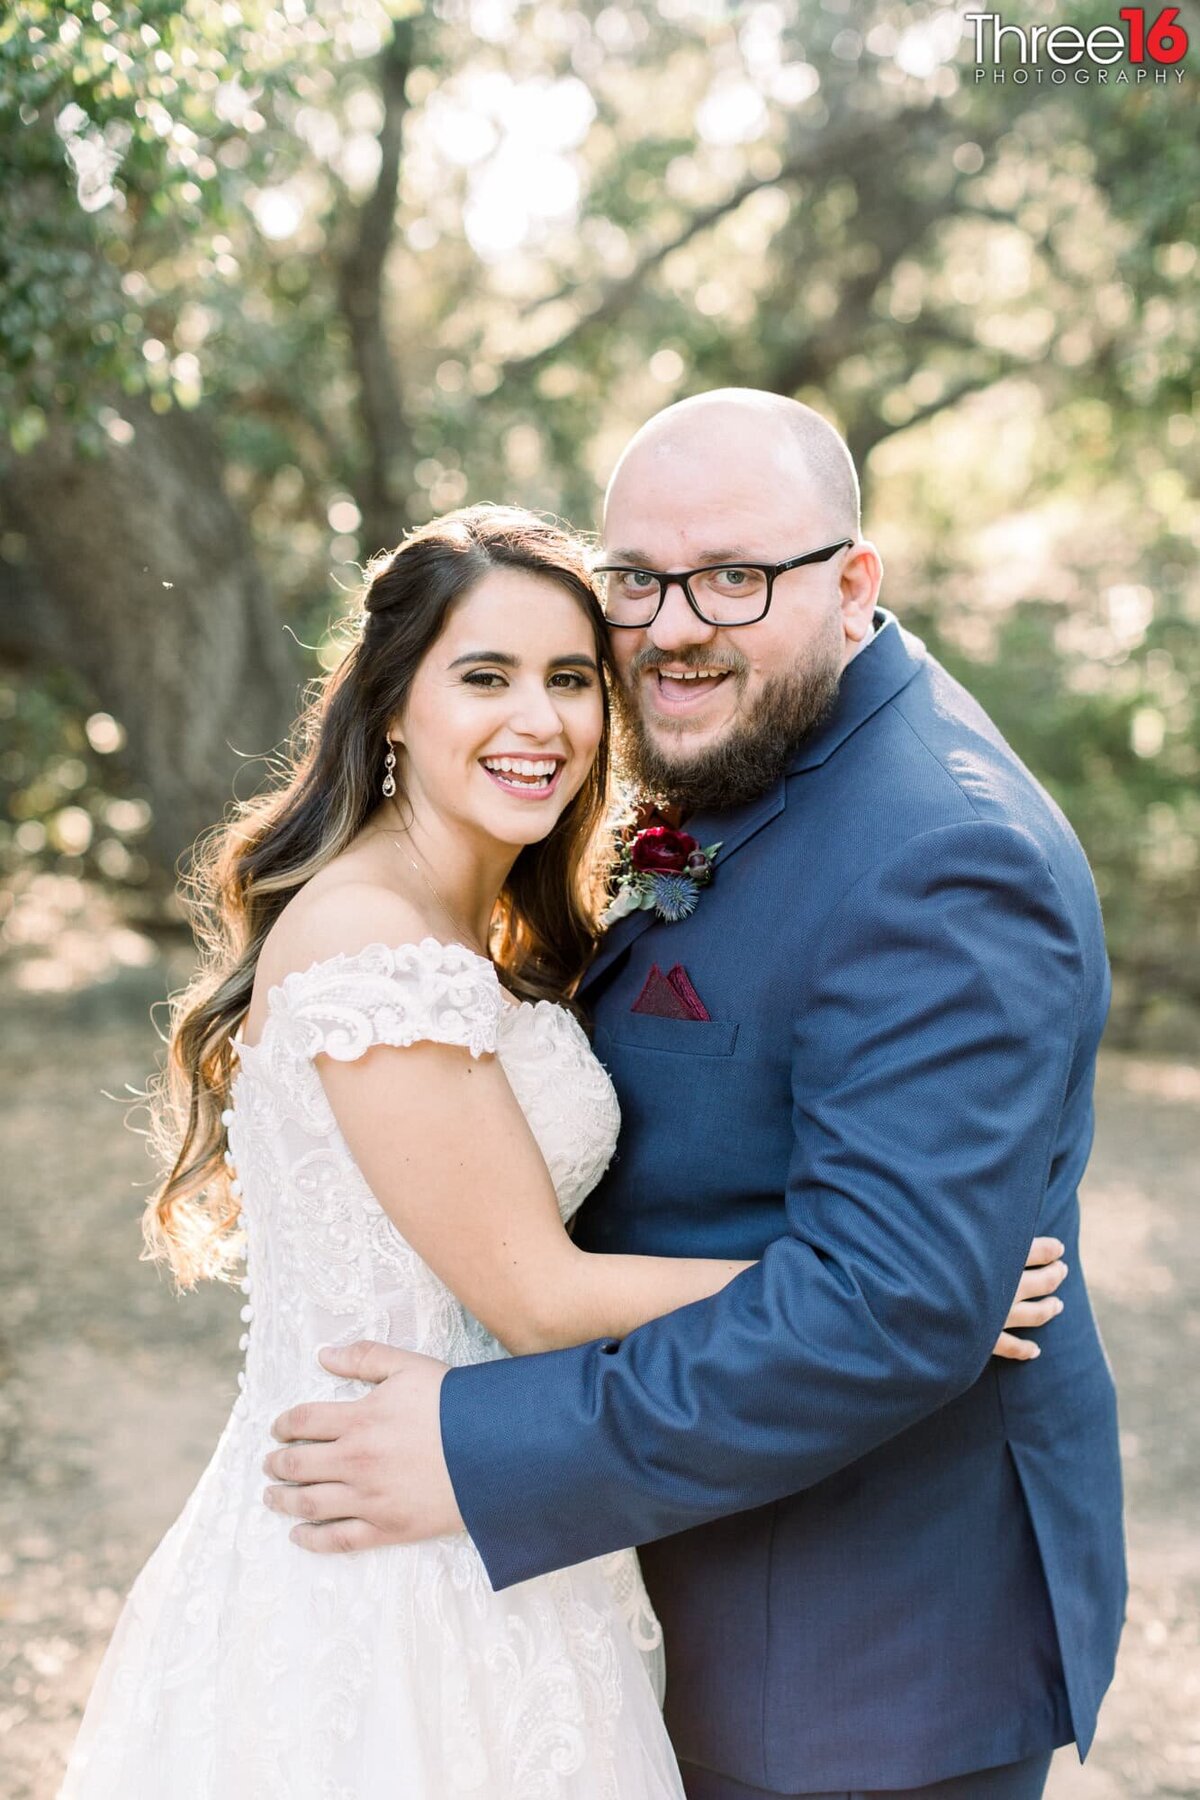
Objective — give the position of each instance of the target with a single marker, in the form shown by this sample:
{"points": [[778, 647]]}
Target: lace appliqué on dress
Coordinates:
{"points": [[244, 1668], [442, 993]]}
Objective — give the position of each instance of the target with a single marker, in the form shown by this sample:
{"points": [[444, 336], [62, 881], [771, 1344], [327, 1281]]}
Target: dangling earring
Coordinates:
{"points": [[389, 780]]}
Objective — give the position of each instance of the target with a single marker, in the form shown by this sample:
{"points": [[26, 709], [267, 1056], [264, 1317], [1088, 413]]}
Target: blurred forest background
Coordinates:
{"points": [[278, 281]]}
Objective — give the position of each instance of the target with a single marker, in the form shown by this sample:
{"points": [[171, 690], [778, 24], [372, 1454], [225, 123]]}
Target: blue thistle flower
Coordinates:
{"points": [[675, 897]]}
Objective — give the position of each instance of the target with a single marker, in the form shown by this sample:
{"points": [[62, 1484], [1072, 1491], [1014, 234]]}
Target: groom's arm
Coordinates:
{"points": [[935, 1029]]}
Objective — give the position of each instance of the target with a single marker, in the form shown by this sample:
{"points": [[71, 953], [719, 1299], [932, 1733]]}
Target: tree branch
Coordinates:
{"points": [[822, 157], [875, 429]]}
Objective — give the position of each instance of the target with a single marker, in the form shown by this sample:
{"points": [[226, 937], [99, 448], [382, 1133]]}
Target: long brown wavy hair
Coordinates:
{"points": [[246, 870]]}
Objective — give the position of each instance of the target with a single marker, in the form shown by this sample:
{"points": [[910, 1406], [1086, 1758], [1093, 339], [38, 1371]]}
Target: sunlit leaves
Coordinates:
{"points": [[152, 141], [604, 206]]}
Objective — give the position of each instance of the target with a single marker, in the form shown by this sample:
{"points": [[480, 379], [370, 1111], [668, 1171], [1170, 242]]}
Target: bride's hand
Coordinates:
{"points": [[363, 1473], [1035, 1303]]}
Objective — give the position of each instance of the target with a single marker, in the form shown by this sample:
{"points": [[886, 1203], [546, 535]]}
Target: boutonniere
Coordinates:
{"points": [[658, 868]]}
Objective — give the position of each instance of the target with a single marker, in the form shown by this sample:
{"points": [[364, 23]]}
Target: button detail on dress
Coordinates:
{"points": [[227, 1116]]}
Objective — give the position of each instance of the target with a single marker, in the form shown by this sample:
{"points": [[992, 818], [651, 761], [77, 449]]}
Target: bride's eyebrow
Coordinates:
{"points": [[504, 657], [506, 660]]}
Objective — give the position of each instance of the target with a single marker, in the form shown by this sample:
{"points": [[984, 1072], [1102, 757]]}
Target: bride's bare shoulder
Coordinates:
{"points": [[340, 911]]}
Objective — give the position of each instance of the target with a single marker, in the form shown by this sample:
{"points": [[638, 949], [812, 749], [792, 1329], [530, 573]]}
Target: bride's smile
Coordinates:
{"points": [[504, 717]]}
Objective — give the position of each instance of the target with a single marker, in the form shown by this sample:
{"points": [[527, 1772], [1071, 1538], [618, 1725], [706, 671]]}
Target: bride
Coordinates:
{"points": [[384, 1100]]}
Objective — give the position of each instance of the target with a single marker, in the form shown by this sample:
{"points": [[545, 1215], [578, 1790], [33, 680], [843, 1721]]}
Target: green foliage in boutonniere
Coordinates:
{"points": [[659, 868]]}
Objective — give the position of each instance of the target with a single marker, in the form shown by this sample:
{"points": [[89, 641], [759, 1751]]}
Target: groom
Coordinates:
{"points": [[883, 1560]]}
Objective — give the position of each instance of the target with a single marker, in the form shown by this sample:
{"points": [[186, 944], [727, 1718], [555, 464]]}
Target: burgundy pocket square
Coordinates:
{"points": [[669, 996]]}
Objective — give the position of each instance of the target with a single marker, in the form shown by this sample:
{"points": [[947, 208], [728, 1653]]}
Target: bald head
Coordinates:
{"points": [[747, 429]]}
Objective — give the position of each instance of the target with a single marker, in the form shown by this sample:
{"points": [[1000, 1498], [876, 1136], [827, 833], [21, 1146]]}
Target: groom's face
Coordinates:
{"points": [[712, 714]]}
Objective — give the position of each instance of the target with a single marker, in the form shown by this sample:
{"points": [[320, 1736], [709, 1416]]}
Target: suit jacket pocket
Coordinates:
{"points": [[686, 1037]]}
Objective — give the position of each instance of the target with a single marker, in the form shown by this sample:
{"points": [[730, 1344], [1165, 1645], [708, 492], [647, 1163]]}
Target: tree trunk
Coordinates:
{"points": [[382, 410], [146, 587]]}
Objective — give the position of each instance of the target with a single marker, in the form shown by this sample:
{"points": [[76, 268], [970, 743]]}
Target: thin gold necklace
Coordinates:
{"points": [[459, 928]]}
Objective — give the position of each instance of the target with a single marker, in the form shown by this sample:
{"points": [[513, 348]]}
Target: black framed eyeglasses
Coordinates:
{"points": [[719, 594]]}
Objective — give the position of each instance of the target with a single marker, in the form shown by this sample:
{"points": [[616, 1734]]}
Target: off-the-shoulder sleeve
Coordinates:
{"points": [[426, 992]]}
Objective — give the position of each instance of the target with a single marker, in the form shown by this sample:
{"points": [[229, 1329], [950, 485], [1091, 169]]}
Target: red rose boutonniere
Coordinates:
{"points": [[659, 868]]}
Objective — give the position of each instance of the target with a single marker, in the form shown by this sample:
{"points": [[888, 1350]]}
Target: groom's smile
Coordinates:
{"points": [[674, 686], [679, 694]]}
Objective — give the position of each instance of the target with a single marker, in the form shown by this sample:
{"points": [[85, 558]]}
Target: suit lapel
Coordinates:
{"points": [[617, 939], [876, 676], [736, 827], [731, 830]]}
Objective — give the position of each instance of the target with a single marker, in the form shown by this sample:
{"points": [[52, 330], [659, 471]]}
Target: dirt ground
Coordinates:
{"points": [[112, 1391]]}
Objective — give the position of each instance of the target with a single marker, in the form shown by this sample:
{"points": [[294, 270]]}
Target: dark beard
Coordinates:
{"points": [[747, 762]]}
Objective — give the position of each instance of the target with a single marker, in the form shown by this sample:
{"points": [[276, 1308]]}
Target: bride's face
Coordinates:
{"points": [[505, 713]]}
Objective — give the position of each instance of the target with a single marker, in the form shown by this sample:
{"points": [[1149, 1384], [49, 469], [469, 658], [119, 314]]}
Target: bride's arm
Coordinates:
{"points": [[448, 1154], [450, 1157]]}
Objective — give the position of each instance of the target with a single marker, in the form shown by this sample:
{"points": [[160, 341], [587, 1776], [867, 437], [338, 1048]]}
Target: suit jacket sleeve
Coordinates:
{"points": [[934, 1030]]}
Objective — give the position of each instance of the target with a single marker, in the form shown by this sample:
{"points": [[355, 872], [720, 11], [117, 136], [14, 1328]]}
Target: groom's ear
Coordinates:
{"points": [[861, 579]]}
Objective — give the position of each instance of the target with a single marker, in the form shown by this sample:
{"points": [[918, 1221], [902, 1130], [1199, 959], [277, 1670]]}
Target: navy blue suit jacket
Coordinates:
{"points": [[881, 1557]]}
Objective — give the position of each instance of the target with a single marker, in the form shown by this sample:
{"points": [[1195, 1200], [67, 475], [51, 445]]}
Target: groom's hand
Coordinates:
{"points": [[363, 1473]]}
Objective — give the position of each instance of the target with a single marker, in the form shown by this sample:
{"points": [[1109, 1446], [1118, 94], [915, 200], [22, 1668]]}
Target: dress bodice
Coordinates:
{"points": [[325, 1263]]}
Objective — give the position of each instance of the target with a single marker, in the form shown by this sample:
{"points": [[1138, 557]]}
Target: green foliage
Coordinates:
{"points": [[601, 207], [136, 139], [64, 806]]}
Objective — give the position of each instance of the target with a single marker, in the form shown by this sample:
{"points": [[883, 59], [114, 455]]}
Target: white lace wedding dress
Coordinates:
{"points": [[245, 1668]]}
